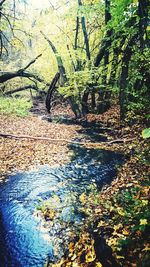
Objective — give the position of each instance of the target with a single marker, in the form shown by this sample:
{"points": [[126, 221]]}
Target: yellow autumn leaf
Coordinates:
{"points": [[68, 264], [125, 232], [144, 202], [90, 256], [119, 257], [120, 211], [97, 211], [82, 198], [135, 1], [115, 233], [71, 247], [112, 242], [74, 257], [143, 222], [148, 28], [75, 264], [98, 264], [147, 248], [101, 223], [118, 226]]}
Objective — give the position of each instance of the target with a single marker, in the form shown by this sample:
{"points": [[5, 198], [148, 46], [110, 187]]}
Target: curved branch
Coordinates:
{"points": [[21, 73], [31, 62], [33, 87], [58, 58], [50, 91]]}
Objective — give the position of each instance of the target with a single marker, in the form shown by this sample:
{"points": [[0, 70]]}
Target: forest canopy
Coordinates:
{"points": [[100, 48]]}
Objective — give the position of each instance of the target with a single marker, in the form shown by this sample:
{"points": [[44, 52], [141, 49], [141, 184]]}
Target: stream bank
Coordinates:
{"points": [[131, 185]]}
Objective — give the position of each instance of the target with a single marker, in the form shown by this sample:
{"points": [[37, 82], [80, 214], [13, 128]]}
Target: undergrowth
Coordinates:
{"points": [[12, 105]]}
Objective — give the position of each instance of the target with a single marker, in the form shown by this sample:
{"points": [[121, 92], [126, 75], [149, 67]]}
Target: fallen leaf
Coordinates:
{"points": [[143, 222], [82, 198]]}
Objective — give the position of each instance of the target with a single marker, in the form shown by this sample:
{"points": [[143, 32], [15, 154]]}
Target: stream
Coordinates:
{"points": [[24, 241]]}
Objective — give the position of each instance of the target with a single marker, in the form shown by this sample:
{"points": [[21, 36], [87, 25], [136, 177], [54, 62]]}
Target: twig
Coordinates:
{"points": [[30, 63]]}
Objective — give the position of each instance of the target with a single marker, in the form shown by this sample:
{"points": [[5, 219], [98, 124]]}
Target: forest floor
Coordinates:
{"points": [[119, 213]]}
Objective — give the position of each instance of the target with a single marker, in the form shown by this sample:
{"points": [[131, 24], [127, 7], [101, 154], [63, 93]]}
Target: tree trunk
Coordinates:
{"points": [[74, 107], [73, 64], [109, 32], [143, 21], [115, 61], [50, 91], [77, 33], [106, 42], [93, 101], [85, 109], [86, 39], [123, 80]]}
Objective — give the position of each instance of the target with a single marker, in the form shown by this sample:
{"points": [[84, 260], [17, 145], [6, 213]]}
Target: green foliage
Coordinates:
{"points": [[18, 106], [137, 93], [78, 83], [89, 10], [146, 133], [121, 10], [125, 24], [136, 218]]}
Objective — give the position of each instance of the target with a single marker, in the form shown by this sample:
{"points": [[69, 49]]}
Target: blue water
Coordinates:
{"points": [[23, 243]]}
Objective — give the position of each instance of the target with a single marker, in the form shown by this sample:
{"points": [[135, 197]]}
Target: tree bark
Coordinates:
{"points": [[86, 39], [103, 49], [115, 61], [73, 64], [109, 32], [77, 33], [123, 79], [85, 109], [143, 21], [50, 91]]}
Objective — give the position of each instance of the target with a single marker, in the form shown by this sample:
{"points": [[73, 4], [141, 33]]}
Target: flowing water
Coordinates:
{"points": [[24, 242]]}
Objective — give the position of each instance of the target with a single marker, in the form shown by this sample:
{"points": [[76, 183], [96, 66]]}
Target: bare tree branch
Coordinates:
{"points": [[21, 73], [8, 135], [31, 62], [33, 87]]}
